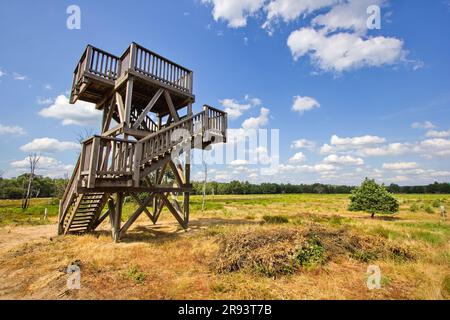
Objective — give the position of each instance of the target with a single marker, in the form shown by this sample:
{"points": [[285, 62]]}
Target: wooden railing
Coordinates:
{"points": [[69, 191], [215, 120], [107, 66], [106, 157], [97, 62], [147, 124], [152, 65], [210, 120]]}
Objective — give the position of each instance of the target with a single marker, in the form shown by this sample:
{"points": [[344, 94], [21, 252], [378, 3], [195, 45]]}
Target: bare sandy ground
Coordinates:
{"points": [[13, 236]]}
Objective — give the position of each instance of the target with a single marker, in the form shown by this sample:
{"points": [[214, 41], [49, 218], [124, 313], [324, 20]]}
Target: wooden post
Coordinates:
{"points": [[118, 217], [137, 164], [93, 162], [60, 224], [128, 98]]}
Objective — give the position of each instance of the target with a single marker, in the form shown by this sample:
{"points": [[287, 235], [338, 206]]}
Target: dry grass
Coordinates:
{"points": [[231, 252]]}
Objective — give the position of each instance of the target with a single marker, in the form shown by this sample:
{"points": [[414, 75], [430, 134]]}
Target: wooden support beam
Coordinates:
{"points": [[145, 203], [172, 110], [177, 172], [128, 100], [93, 162], [101, 219], [172, 210], [136, 214], [109, 114], [147, 109], [121, 107], [118, 216]]}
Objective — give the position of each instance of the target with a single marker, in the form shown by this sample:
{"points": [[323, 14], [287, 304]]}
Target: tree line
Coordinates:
{"points": [[238, 187], [45, 187]]}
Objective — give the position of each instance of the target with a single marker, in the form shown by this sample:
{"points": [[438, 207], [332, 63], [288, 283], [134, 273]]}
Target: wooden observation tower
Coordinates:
{"points": [[143, 151]]}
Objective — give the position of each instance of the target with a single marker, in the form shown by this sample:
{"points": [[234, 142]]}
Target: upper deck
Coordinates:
{"points": [[98, 73]]}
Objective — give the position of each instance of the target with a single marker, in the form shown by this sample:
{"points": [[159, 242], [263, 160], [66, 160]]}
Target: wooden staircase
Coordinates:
{"points": [[107, 164]]}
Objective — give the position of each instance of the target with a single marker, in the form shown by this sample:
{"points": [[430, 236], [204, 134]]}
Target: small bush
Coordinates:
{"points": [[373, 198], [136, 275], [275, 219], [429, 209], [414, 208], [436, 203], [311, 253]]}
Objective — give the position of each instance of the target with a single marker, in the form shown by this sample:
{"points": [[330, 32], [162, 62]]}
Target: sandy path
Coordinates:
{"points": [[14, 236]]}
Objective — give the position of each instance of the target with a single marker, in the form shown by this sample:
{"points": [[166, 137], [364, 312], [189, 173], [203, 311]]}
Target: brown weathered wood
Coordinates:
{"points": [[126, 89]]}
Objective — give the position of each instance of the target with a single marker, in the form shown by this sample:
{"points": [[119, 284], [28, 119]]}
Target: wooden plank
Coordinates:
{"points": [[93, 162], [121, 107], [128, 99], [172, 110], [172, 210], [148, 108], [135, 215]]}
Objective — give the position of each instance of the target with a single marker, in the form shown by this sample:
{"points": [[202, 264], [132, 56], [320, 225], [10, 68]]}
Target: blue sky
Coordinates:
{"points": [[349, 101]]}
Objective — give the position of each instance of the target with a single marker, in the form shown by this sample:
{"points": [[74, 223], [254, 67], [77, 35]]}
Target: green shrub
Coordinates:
{"points": [[436, 203], [373, 198], [429, 209], [136, 275], [311, 253], [414, 208]]}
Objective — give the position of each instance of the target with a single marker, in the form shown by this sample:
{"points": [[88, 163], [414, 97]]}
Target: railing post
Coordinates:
{"points": [[87, 67], [93, 162], [205, 123], [224, 126], [191, 82], [137, 163], [132, 56]]}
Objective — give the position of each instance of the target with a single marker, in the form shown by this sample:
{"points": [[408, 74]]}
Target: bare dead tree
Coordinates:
{"points": [[84, 134], [33, 160]]}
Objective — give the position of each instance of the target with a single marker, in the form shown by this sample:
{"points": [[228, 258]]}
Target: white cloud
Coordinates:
{"points": [[303, 144], [48, 87], [297, 158], [344, 51], [343, 160], [49, 145], [350, 15], [423, 125], [235, 12], [8, 130], [257, 122], [356, 141], [289, 10], [46, 166], [2, 72], [239, 162], [400, 165], [18, 76], [438, 134], [303, 104], [81, 113], [390, 149], [235, 109]]}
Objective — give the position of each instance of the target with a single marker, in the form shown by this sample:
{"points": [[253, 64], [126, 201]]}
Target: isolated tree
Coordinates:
{"points": [[373, 198], [33, 161]]}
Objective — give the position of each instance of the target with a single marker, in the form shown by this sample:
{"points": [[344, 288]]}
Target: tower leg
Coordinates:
{"points": [[117, 217]]}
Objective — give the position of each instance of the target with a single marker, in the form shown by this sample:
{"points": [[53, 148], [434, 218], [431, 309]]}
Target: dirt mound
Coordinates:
{"points": [[286, 250]]}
